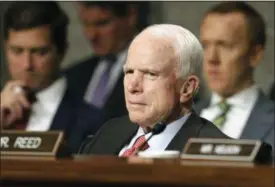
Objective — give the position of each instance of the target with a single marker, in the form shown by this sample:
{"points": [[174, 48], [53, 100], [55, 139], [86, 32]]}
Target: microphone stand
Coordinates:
{"points": [[157, 129]]}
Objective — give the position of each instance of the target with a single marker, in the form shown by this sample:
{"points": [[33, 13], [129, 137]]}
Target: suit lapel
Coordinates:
{"points": [[116, 96], [119, 133], [188, 130], [65, 115], [126, 136], [258, 125]]}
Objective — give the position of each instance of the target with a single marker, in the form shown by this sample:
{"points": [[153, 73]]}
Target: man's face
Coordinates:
{"points": [[107, 33], [150, 81], [227, 63], [32, 57]]}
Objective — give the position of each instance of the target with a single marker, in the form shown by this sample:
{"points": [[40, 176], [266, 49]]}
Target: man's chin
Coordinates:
{"points": [[136, 117], [100, 51], [221, 90], [140, 119]]}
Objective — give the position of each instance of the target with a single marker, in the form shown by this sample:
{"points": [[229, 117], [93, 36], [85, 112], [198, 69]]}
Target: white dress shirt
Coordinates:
{"points": [[115, 73], [240, 110], [160, 141], [46, 105]]}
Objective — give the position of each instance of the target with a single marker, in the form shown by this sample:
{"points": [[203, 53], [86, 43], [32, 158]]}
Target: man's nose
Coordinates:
{"points": [[212, 54], [27, 61], [91, 32], [135, 83]]}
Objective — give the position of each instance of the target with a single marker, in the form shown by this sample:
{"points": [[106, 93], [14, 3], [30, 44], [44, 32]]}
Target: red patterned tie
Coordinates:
{"points": [[137, 144]]}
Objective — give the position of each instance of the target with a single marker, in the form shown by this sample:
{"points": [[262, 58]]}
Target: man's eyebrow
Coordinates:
{"points": [[126, 67], [15, 46], [29, 48]]}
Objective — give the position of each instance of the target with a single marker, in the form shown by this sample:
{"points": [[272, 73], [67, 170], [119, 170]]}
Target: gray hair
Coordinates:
{"points": [[188, 49]]}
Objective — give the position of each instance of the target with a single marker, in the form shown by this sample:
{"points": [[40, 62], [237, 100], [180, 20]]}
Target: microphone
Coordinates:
{"points": [[157, 129]]}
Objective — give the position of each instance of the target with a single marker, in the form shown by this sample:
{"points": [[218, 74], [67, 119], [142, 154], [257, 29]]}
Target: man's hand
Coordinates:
{"points": [[13, 103]]}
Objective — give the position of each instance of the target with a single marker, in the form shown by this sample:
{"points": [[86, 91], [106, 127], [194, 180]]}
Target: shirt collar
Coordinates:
{"points": [[241, 99], [164, 138], [50, 94]]}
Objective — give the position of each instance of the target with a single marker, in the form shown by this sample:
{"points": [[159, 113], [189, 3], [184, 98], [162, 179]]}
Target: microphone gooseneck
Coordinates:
{"points": [[157, 129]]}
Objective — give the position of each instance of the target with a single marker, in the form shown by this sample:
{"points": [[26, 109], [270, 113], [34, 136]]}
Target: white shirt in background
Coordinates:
{"points": [[46, 105], [236, 118]]}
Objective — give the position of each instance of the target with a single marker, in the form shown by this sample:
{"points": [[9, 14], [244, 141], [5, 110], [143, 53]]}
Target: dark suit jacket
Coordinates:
{"points": [[77, 120], [117, 132], [260, 124], [272, 92], [78, 78]]}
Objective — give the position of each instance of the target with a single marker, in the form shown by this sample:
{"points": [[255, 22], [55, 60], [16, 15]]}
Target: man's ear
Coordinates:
{"points": [[256, 55], [189, 88], [63, 52]]}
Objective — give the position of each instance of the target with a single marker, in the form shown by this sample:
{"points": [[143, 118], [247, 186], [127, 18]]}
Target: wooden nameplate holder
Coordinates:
{"points": [[253, 151], [32, 145]]}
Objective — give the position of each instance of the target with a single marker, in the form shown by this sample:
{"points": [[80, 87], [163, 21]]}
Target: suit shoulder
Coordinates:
{"points": [[81, 64], [102, 137], [118, 121], [209, 130]]}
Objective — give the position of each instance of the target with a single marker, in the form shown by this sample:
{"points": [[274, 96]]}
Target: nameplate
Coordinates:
{"points": [[227, 150], [23, 143]]}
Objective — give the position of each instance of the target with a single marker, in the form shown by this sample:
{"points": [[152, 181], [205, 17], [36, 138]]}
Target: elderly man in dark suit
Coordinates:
{"points": [[233, 37], [159, 89], [36, 98], [272, 92]]}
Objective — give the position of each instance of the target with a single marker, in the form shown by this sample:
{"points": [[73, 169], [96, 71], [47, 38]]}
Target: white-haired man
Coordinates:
{"points": [[159, 84]]}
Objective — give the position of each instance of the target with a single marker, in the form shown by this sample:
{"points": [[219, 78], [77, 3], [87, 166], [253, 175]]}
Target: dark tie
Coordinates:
{"points": [[221, 118], [22, 123], [100, 94], [137, 144]]}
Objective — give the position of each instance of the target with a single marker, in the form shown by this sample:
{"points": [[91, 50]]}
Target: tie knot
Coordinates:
{"points": [[139, 145], [224, 106]]}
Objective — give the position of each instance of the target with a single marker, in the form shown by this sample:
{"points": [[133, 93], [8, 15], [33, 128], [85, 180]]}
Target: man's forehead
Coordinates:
{"points": [[232, 21], [94, 12], [149, 45], [226, 26]]}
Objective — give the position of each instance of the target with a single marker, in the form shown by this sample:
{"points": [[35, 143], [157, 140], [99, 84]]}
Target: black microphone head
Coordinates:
{"points": [[158, 128]]}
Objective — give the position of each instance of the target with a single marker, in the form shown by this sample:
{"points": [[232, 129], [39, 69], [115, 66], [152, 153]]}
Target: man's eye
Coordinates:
{"points": [[41, 52], [129, 72], [103, 23], [151, 74], [17, 51]]}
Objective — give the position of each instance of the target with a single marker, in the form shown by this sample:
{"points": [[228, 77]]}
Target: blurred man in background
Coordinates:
{"points": [[272, 92], [233, 38], [36, 98], [159, 89], [109, 27]]}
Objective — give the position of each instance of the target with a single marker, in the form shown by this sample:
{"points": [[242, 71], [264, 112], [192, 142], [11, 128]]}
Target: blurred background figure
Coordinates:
{"points": [[233, 35], [36, 98], [272, 92], [109, 27]]}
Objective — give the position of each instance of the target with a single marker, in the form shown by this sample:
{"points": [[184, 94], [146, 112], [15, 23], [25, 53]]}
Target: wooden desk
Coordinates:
{"points": [[94, 171]]}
